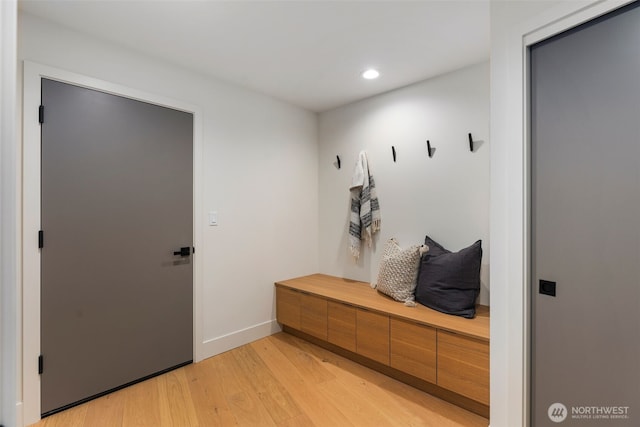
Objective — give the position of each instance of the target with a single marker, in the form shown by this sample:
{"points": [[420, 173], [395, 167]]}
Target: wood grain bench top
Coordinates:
{"points": [[360, 294]]}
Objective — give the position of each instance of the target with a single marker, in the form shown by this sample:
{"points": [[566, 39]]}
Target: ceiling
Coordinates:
{"points": [[308, 53]]}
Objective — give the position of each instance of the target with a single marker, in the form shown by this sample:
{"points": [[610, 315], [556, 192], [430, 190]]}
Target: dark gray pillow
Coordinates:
{"points": [[450, 281], [435, 248]]}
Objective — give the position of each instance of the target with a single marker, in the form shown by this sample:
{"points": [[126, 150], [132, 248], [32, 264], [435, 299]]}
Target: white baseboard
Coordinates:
{"points": [[19, 414], [230, 341]]}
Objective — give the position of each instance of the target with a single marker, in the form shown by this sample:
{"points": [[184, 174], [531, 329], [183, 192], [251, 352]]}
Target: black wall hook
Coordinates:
{"points": [[429, 149], [338, 161], [470, 143], [393, 151]]}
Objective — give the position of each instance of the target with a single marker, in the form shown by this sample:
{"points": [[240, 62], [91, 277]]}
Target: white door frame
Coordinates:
{"points": [[9, 221], [33, 73], [510, 225]]}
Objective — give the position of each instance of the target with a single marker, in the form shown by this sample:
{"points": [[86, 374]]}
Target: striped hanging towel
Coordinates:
{"points": [[365, 210]]}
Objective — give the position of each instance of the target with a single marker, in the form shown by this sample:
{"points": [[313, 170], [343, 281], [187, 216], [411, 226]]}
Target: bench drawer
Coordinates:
{"points": [[313, 316], [413, 349], [463, 366], [288, 307], [372, 335], [342, 325]]}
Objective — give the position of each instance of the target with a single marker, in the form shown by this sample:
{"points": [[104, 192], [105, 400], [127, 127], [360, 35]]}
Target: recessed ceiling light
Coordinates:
{"points": [[370, 74]]}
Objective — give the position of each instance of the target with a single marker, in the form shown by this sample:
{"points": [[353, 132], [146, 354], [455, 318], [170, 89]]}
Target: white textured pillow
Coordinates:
{"points": [[399, 271]]}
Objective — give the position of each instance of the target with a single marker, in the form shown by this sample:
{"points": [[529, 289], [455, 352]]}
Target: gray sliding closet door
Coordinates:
{"points": [[586, 224], [116, 204]]}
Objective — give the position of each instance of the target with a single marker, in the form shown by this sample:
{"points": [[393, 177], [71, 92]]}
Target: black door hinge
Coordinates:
{"points": [[40, 365], [40, 239], [41, 114]]}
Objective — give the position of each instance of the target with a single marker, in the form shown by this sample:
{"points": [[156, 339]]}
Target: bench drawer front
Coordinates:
{"points": [[288, 307], [463, 366], [313, 316], [372, 335], [342, 325], [413, 349]]}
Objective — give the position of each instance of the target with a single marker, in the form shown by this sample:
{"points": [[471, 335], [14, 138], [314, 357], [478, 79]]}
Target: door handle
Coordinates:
{"points": [[547, 288], [184, 252]]}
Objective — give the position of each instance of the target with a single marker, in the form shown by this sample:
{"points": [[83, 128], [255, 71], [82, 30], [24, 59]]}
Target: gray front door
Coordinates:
{"points": [[116, 204], [586, 224]]}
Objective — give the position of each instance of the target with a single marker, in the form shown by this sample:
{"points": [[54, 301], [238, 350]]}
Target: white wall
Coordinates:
{"points": [[446, 196], [260, 175], [8, 216]]}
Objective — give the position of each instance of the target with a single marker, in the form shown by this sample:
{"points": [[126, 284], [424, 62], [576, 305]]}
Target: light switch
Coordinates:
{"points": [[213, 218]]}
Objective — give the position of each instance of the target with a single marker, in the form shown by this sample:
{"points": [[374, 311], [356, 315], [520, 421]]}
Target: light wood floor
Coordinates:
{"points": [[276, 381]]}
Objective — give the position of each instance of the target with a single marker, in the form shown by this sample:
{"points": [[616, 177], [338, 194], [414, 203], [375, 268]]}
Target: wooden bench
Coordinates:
{"points": [[444, 355]]}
